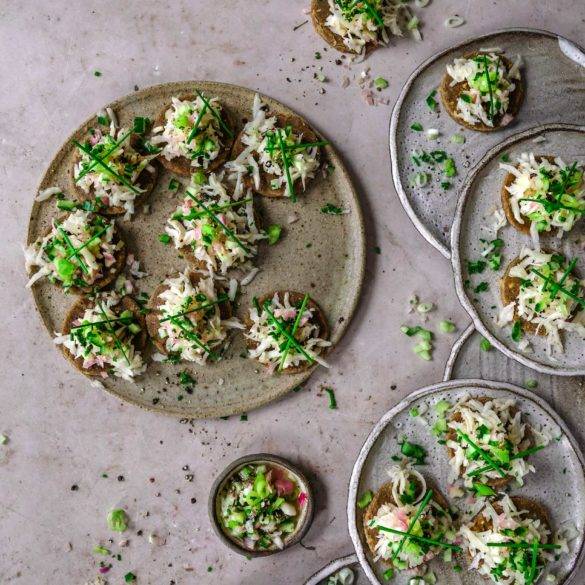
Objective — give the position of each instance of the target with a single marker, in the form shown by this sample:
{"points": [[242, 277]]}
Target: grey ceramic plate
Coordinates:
{"points": [[321, 254], [554, 73], [369, 471], [479, 198], [350, 562]]}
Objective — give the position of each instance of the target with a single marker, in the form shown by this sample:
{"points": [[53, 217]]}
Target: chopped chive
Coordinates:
{"points": [[417, 127], [484, 344], [430, 541], [165, 239], [332, 400], [97, 73], [531, 384], [173, 185], [273, 232], [517, 331], [431, 101], [330, 209], [365, 499], [380, 83], [483, 490]]}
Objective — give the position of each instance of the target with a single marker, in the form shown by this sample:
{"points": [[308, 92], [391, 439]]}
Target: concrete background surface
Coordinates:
{"points": [[64, 435]]}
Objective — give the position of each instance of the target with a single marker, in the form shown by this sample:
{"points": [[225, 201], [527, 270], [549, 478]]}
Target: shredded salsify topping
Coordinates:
{"points": [[530, 544], [103, 337], [190, 322], [372, 21], [550, 295], [280, 152], [497, 428], [110, 168], [219, 228], [76, 252], [412, 502], [549, 193], [192, 129], [489, 85], [275, 348]]}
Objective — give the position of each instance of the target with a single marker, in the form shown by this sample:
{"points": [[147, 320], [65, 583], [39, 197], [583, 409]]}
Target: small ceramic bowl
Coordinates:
{"points": [[306, 513]]}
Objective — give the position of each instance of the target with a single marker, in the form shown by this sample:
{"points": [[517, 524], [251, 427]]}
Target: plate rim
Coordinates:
{"points": [[396, 110], [360, 251], [405, 403], [330, 567], [456, 264]]}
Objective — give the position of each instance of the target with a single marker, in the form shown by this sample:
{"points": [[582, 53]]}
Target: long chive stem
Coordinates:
{"points": [[554, 289], [299, 146], [225, 127], [74, 252], [562, 289], [224, 227], [430, 541], [216, 208], [77, 250], [421, 507], [519, 455], [99, 161], [523, 545], [286, 164], [94, 163], [221, 299], [489, 84], [197, 122], [294, 330], [482, 453], [112, 332], [193, 337], [282, 329]]}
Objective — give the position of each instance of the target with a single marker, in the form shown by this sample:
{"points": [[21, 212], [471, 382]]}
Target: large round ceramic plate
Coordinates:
{"points": [[479, 199], [332, 569], [320, 254], [554, 73], [565, 500]]}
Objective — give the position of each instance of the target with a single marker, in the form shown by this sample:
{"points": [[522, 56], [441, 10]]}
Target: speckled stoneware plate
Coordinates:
{"points": [[331, 569], [554, 73], [480, 197], [562, 458], [306, 512], [321, 254]]}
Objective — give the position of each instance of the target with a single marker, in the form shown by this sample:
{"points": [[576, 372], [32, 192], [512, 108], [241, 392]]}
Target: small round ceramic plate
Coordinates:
{"points": [[272, 461], [321, 254], [327, 574], [474, 219], [562, 458], [554, 74]]}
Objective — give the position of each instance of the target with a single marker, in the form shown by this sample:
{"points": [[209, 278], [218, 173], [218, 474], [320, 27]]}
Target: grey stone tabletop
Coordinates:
{"points": [[74, 452]]}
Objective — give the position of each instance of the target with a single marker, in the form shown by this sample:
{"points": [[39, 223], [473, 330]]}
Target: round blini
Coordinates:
{"points": [[384, 496], [450, 95], [508, 180], [77, 311], [154, 316], [113, 271], [181, 165], [295, 298], [299, 126], [319, 12], [496, 482]]}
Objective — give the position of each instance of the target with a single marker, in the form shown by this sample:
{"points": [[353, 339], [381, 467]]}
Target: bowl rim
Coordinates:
{"points": [[228, 471]]}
